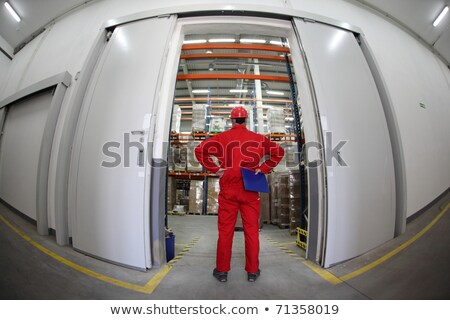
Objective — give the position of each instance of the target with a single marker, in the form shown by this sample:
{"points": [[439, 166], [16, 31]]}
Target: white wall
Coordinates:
{"points": [[413, 75]]}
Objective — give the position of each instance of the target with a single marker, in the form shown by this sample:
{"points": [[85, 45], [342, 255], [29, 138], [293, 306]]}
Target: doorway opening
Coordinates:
{"points": [[216, 72]]}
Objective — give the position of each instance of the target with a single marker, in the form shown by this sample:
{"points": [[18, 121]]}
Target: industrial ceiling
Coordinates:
{"points": [[414, 16]]}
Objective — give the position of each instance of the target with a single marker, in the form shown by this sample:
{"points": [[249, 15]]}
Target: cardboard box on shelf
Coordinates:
{"points": [[212, 206], [192, 164], [199, 117], [196, 197], [176, 119], [276, 120], [171, 193], [179, 158], [291, 156], [217, 124], [265, 207], [285, 199], [273, 184]]}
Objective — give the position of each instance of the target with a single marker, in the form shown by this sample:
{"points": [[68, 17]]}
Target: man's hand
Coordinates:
{"points": [[257, 171]]}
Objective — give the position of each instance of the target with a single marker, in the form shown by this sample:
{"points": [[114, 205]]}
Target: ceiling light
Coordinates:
{"points": [[440, 17], [208, 52], [200, 91], [194, 41], [275, 93], [238, 90], [276, 43], [253, 41], [12, 12], [221, 40]]}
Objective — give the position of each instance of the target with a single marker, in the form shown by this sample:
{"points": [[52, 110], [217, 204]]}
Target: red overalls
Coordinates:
{"points": [[235, 149]]}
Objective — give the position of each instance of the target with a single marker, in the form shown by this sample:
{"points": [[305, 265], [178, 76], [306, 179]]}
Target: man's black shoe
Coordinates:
{"points": [[251, 277], [221, 276]]}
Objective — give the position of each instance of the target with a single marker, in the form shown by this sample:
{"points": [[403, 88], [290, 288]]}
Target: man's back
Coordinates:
{"points": [[235, 149]]}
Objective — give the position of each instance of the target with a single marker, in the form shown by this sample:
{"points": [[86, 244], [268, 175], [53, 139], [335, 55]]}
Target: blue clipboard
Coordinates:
{"points": [[254, 182]]}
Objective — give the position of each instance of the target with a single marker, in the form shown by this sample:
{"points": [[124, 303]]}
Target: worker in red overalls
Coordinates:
{"points": [[235, 149]]}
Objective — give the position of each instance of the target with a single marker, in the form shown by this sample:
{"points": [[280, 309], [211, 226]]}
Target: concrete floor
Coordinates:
{"points": [[420, 271]]}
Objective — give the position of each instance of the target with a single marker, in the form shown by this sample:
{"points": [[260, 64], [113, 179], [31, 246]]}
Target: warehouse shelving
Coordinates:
{"points": [[215, 68]]}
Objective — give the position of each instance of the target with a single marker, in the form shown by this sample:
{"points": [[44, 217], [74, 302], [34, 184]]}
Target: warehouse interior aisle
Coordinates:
{"points": [[420, 270]]}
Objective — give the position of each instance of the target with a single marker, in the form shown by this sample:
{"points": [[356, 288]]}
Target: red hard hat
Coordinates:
{"points": [[238, 112]]}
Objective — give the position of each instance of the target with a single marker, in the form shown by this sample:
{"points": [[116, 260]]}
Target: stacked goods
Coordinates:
{"points": [[275, 120], [182, 195], [180, 202], [289, 200], [198, 118], [196, 197], [283, 201], [170, 164], [265, 207], [171, 193], [291, 161], [217, 124], [281, 167], [192, 164], [179, 158], [213, 196], [176, 119], [273, 183], [295, 199]]}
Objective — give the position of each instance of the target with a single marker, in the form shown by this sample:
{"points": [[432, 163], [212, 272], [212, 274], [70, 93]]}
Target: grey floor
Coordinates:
{"points": [[420, 271]]}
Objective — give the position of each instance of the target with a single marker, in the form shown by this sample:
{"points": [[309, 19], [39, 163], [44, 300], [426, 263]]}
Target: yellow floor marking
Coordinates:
{"points": [[148, 288], [184, 251], [389, 255], [328, 276], [287, 243], [331, 278]]}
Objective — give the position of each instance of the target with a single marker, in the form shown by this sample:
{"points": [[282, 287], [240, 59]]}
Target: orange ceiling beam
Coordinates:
{"points": [[233, 56], [231, 76], [235, 46]]}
